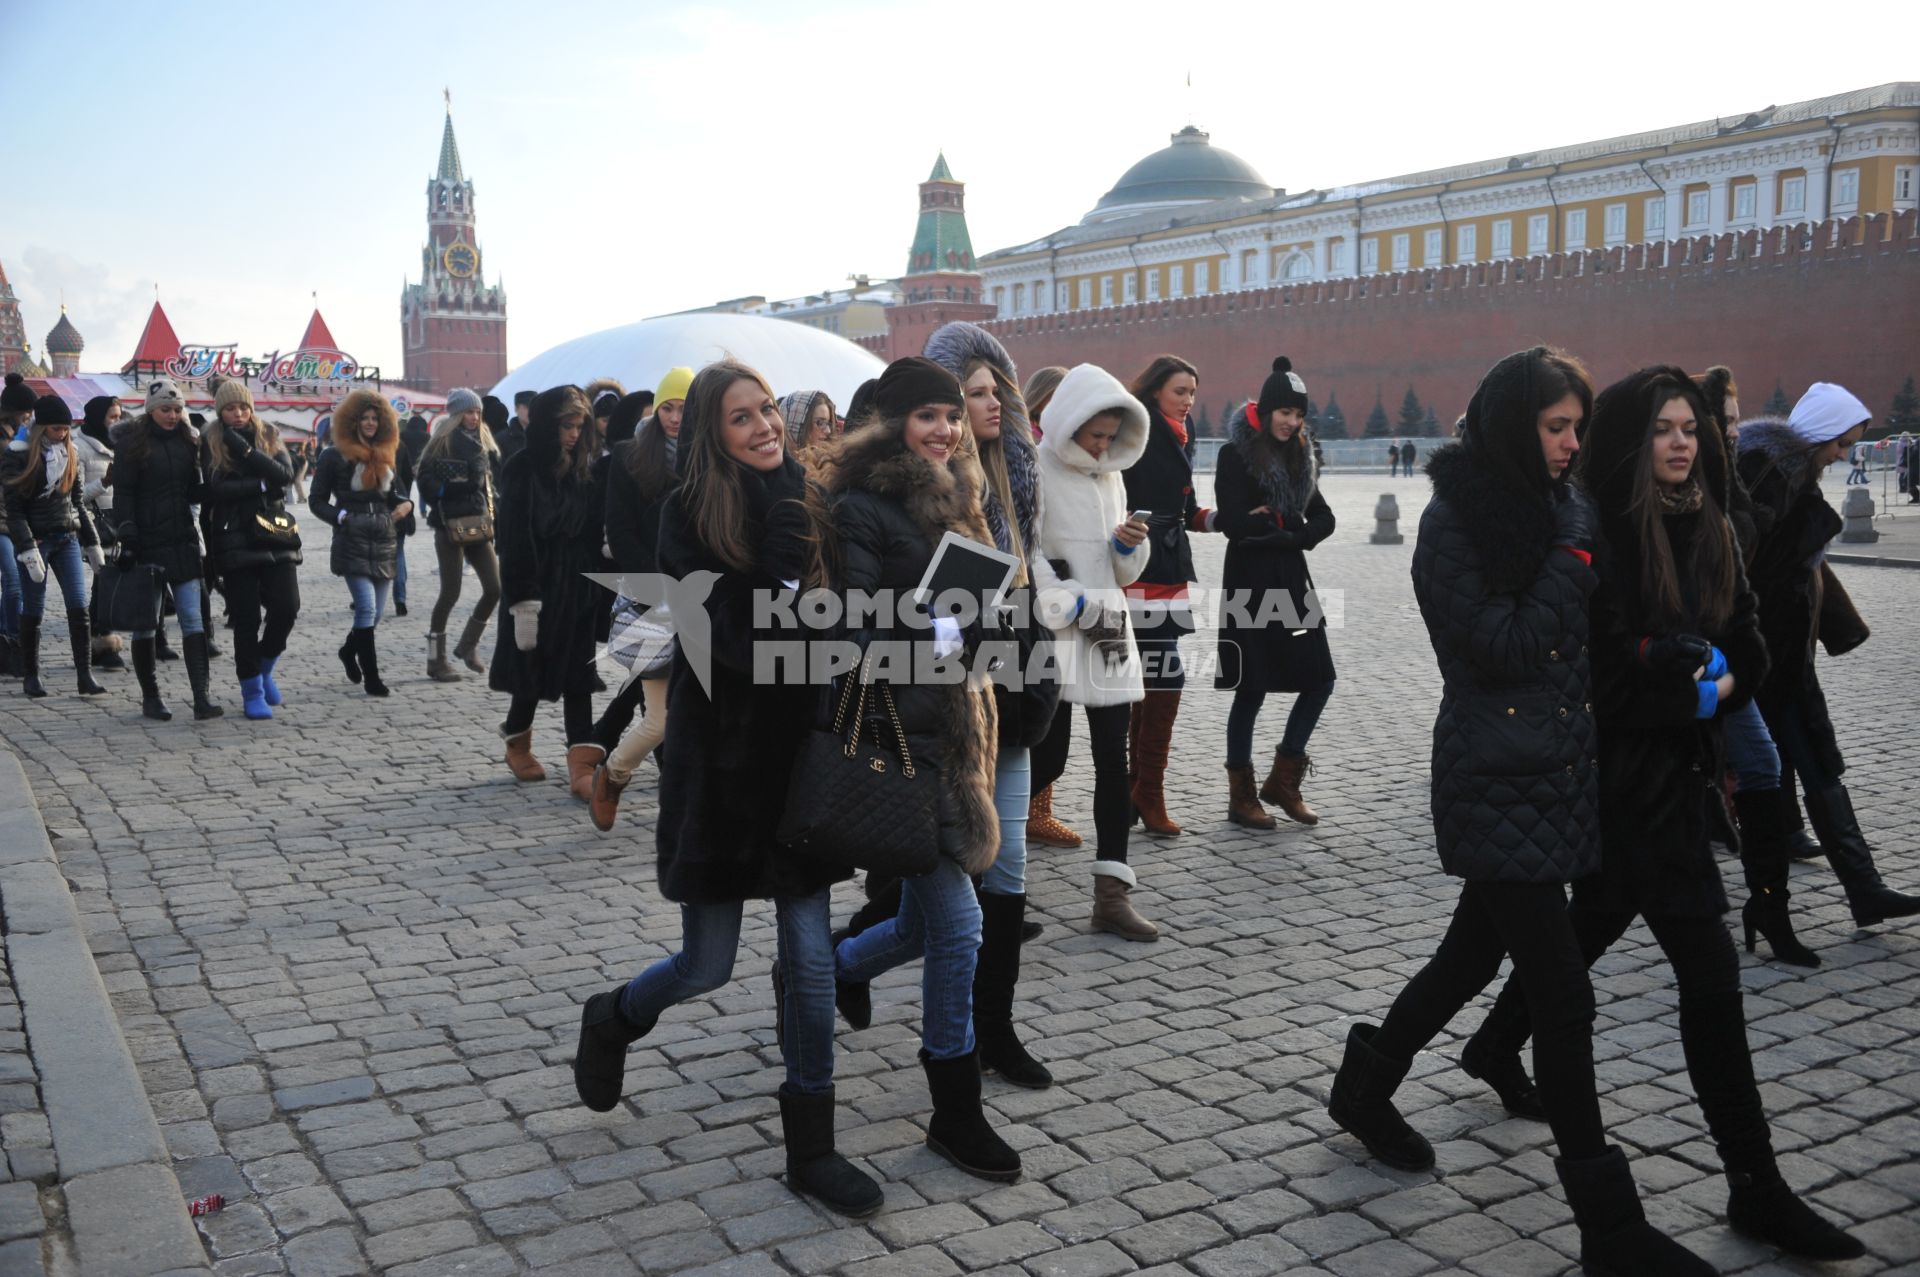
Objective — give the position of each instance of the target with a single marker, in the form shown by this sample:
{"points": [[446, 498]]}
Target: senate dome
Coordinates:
{"points": [[1190, 171]]}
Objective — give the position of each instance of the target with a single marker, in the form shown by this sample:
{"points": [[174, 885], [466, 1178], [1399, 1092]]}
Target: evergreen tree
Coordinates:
{"points": [[1313, 415], [1778, 405], [1202, 428], [1430, 426], [1412, 415], [1378, 426], [1906, 408], [1333, 422]]}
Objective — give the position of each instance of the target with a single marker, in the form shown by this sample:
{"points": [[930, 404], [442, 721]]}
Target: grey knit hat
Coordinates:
{"points": [[161, 392], [461, 400]]}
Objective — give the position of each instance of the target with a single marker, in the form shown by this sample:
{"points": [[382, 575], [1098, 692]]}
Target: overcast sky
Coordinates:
{"points": [[631, 159]]}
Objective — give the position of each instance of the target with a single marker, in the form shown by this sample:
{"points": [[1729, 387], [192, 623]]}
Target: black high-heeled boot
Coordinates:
{"points": [[151, 706], [1872, 900], [1764, 856], [30, 657], [80, 639], [197, 667], [1500, 1068]]}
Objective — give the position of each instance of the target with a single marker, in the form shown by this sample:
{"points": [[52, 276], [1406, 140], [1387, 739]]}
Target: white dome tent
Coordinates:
{"points": [[790, 356]]}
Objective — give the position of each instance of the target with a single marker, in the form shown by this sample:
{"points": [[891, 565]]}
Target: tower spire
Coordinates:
{"points": [[449, 149]]}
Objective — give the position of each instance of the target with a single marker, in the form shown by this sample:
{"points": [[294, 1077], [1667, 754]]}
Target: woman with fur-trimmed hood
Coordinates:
{"points": [[901, 482], [812, 424], [358, 491], [1272, 637]]}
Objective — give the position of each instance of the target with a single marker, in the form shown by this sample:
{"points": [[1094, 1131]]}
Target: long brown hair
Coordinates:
{"points": [[647, 461], [577, 465], [379, 455], [992, 453], [1265, 451], [215, 441], [1708, 574], [29, 479], [1146, 387]]}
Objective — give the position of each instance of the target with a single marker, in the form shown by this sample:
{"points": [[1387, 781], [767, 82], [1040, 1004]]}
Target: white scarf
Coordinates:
{"points": [[56, 466]]}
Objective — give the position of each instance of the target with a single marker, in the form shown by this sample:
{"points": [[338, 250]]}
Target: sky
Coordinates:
{"points": [[631, 159]]}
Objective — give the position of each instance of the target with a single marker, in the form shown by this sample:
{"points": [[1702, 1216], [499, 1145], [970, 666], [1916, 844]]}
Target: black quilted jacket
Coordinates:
{"points": [[1515, 787]]}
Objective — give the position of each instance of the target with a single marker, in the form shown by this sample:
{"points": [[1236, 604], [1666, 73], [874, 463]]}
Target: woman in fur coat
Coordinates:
{"points": [[551, 524], [1676, 651], [52, 535], [1272, 638], [357, 491], [743, 521], [902, 479], [1090, 551], [459, 473]]}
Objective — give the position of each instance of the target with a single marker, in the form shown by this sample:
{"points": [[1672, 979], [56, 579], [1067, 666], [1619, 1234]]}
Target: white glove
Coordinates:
{"points": [[97, 557], [526, 625], [946, 637], [34, 566]]}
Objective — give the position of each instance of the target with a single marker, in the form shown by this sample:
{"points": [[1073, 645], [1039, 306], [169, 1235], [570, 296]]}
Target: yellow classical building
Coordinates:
{"points": [[1193, 218]]}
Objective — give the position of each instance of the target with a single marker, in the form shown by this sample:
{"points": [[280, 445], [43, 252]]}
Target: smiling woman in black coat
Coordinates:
{"points": [[1675, 649]]}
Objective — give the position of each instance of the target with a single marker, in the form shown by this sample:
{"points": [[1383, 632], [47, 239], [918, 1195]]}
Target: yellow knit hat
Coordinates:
{"points": [[673, 386]]}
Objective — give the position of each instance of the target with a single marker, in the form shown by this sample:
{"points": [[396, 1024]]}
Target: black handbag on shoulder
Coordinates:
{"points": [[127, 597], [855, 802]]}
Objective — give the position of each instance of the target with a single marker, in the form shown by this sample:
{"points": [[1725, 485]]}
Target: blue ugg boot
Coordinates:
{"points": [[267, 685], [254, 694]]}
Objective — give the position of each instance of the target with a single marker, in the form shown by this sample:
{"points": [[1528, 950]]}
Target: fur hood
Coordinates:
{"points": [[347, 441], [1769, 443], [1084, 393], [938, 498], [954, 346], [602, 385], [1511, 535], [1287, 490]]}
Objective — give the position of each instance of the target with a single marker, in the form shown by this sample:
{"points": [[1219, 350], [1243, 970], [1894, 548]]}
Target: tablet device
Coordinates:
{"points": [[965, 565]]}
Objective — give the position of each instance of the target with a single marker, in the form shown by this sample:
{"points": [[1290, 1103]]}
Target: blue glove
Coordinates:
{"points": [[1716, 663], [1709, 694]]}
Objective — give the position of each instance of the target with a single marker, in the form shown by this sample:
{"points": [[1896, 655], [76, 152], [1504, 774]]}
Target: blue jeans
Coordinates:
{"points": [[1750, 751], [709, 939], [369, 600], [66, 565], [1012, 788], [186, 606], [9, 589], [1301, 720], [939, 918], [400, 572]]}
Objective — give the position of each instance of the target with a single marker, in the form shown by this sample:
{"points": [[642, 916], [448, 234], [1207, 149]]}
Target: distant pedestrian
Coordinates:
{"points": [[1393, 460], [357, 493], [1859, 472], [459, 475], [1913, 469], [514, 437], [1408, 454]]}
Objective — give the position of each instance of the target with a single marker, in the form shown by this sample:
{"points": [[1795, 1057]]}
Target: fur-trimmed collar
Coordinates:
{"points": [[938, 498], [1769, 443], [1511, 531], [1286, 489]]}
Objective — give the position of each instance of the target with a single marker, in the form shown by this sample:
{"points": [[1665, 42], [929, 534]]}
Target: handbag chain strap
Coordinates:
{"points": [[860, 714]]}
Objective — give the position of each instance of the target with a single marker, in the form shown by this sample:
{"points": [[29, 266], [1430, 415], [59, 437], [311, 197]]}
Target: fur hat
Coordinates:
{"points": [[232, 391], [861, 403], [673, 386], [1283, 389], [913, 382], [461, 400], [954, 346], [494, 413], [162, 393], [524, 397], [1826, 412], [51, 410], [18, 396]]}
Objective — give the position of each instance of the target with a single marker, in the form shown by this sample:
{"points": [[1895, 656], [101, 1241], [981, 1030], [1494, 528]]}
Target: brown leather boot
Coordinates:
{"points": [[1157, 713], [603, 803], [1282, 787], [1041, 825], [1243, 806], [520, 759], [582, 760], [1113, 912]]}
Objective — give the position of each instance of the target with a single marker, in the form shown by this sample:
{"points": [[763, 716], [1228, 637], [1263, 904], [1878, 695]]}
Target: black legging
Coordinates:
{"points": [[617, 716], [576, 712], [273, 588], [1529, 921], [1112, 809], [1713, 1026]]}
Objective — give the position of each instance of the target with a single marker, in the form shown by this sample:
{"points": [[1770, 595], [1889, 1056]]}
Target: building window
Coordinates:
{"points": [[1576, 228], [1153, 285], [1130, 287], [1086, 294], [1177, 281], [1846, 188], [1249, 268], [1434, 249], [1793, 195], [1019, 299], [1697, 203], [1537, 233], [1466, 244], [1744, 201], [1298, 266], [1653, 216], [1402, 251], [1616, 224], [1200, 277], [1342, 260], [1000, 299], [1061, 298], [1903, 180], [1370, 255], [1106, 290], [1503, 238]]}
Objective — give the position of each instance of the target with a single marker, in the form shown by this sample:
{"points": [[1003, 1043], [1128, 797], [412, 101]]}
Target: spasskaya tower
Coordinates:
{"points": [[453, 323]]}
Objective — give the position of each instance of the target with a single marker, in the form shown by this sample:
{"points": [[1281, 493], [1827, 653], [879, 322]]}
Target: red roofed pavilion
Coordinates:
{"points": [[158, 342], [317, 337]]}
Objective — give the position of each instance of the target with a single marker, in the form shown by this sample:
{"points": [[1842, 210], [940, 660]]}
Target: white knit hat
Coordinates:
{"points": [[1826, 412]]}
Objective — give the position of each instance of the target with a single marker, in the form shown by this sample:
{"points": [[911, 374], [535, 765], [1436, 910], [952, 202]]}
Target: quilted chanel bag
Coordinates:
{"points": [[854, 802]]}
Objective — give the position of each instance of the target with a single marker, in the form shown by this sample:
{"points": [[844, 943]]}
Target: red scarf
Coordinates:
{"points": [[1179, 431]]}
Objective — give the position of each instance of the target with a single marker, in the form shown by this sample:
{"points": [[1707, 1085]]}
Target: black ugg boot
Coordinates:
{"points": [[994, 977], [1615, 1238], [30, 657], [370, 662], [349, 655], [600, 1061], [1362, 1103], [1871, 899], [197, 663], [151, 706], [1500, 1068], [959, 1131], [813, 1167], [80, 639]]}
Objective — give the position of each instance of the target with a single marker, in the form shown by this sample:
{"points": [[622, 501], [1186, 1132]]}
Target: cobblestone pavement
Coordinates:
{"points": [[348, 954]]}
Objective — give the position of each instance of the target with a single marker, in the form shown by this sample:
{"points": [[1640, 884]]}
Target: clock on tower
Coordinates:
{"points": [[460, 260], [453, 323]]}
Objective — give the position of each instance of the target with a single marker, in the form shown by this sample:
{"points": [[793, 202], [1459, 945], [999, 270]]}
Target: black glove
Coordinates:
{"points": [[765, 489], [785, 531], [1680, 653], [1576, 523]]}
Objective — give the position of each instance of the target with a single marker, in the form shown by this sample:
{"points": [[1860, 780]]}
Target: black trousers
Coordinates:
{"points": [[1530, 922], [272, 589], [618, 716], [576, 712], [1112, 808], [1713, 1025]]}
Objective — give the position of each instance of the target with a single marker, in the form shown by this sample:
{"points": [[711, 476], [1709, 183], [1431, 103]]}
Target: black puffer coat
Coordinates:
{"points": [[458, 481], [255, 483], [366, 541], [1515, 786], [156, 484], [42, 515]]}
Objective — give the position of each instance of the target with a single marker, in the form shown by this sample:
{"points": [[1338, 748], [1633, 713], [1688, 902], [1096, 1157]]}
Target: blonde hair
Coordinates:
{"points": [[36, 458], [442, 437], [214, 438], [992, 453]]}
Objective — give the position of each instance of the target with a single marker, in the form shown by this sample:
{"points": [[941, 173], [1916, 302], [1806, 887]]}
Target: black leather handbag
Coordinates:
{"points": [[857, 802], [126, 597]]}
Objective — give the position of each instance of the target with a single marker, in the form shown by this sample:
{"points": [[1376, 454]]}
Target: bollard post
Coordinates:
{"points": [[1386, 521], [1857, 511]]}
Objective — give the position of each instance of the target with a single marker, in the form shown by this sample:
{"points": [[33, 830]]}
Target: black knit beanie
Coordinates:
{"points": [[912, 383], [1283, 389], [18, 396], [52, 410]]}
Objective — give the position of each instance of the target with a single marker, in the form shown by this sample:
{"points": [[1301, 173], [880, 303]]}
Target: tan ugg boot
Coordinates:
{"points": [[1043, 827], [581, 761], [603, 800], [520, 757], [1113, 912]]}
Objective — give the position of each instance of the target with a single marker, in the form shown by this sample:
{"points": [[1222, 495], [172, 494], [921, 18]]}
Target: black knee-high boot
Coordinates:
{"points": [[995, 974], [198, 662], [370, 662], [30, 657], [151, 706], [1872, 900], [80, 637], [1764, 855]]}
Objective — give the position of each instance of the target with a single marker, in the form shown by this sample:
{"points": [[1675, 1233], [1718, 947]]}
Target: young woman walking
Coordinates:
{"points": [[1161, 482], [459, 472], [1502, 574], [743, 513], [902, 480], [1676, 650], [94, 441], [51, 533], [157, 483], [1272, 636], [551, 523], [247, 472], [358, 492]]}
